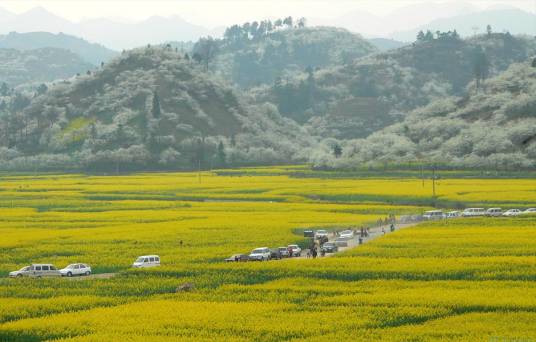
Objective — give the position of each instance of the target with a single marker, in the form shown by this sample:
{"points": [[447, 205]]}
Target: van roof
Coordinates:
{"points": [[148, 256], [474, 209], [42, 265], [434, 211]]}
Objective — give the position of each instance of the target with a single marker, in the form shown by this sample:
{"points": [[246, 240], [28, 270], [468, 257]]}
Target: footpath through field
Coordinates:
{"points": [[374, 233]]}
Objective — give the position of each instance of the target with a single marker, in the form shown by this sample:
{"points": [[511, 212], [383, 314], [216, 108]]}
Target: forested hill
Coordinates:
{"points": [[364, 95], [89, 52], [39, 66], [259, 53], [493, 127], [151, 108]]}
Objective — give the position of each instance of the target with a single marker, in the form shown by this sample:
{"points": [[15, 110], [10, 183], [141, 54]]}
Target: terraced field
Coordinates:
{"points": [[465, 279]]}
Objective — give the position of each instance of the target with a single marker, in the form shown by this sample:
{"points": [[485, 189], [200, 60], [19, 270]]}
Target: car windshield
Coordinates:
{"points": [[70, 267], [321, 231], [140, 259], [329, 244], [26, 268], [257, 251]]}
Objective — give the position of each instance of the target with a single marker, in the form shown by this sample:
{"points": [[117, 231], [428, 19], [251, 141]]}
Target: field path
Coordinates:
{"points": [[374, 233]]}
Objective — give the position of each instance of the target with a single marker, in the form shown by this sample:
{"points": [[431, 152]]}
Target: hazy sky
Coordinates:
{"points": [[213, 13]]}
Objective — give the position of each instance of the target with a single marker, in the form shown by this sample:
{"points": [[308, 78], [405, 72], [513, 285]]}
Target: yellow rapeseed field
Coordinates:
{"points": [[457, 280]]}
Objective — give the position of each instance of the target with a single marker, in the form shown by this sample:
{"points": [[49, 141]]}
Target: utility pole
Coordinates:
{"points": [[433, 182]]}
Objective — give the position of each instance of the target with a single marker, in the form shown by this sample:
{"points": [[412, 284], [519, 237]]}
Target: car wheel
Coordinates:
{"points": [[19, 275], [69, 274], [88, 273]]}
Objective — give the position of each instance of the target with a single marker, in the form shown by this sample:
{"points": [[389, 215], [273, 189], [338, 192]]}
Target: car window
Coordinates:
{"points": [[45, 268], [151, 259], [52, 268], [157, 259], [38, 268], [146, 260], [76, 267], [82, 266]]}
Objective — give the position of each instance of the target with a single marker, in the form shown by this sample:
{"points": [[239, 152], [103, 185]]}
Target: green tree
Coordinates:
{"points": [[480, 66], [337, 150], [155, 109], [221, 154]]}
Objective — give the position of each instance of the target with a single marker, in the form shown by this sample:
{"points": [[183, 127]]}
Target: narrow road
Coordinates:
{"points": [[374, 233], [92, 276]]}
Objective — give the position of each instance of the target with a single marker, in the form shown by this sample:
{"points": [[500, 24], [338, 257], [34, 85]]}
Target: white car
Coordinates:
{"points": [[296, 250], [321, 233], [75, 269], [473, 212], [529, 211], [494, 212], [146, 261], [433, 215], [260, 254], [453, 214], [512, 212], [346, 234], [23, 272]]}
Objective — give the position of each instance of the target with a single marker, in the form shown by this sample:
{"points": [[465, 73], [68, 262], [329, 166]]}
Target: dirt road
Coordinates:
{"points": [[374, 233]]}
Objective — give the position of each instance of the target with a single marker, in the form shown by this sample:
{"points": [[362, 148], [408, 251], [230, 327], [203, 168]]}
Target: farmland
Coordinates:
{"points": [[465, 279]]}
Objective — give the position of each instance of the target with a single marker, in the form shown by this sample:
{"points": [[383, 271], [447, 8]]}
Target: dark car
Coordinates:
{"points": [[238, 257], [284, 252], [309, 233], [275, 254], [330, 247]]}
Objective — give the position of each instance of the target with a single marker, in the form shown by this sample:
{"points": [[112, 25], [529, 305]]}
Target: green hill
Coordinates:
{"points": [[492, 128], [249, 57], [148, 109], [40, 65], [358, 98], [89, 52]]}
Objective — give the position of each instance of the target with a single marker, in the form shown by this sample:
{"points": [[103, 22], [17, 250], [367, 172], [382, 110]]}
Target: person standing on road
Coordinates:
{"points": [[383, 230], [289, 249], [314, 253]]}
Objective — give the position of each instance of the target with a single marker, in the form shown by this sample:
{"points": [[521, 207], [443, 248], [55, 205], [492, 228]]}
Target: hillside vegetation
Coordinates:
{"points": [[255, 54], [492, 127], [150, 108], [358, 98]]}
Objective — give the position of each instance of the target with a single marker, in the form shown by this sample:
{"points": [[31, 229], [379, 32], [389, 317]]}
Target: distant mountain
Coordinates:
{"points": [[110, 33], [493, 128], [514, 21], [92, 53], [385, 44], [271, 55], [148, 109], [412, 15], [39, 65]]}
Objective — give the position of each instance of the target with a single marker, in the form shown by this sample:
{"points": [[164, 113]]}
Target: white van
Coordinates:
{"points": [[494, 212], [43, 270], [147, 261], [471, 212], [433, 215]]}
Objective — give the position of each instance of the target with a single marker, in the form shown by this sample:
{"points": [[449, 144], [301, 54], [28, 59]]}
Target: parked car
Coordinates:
{"points": [[346, 234], [341, 242], [75, 269], [309, 233], [284, 252], [494, 212], [433, 215], [296, 250], [453, 214], [23, 272], [529, 211], [512, 212], [260, 254], [275, 254], [321, 233], [43, 270], [147, 261], [237, 257], [330, 247], [472, 212]]}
